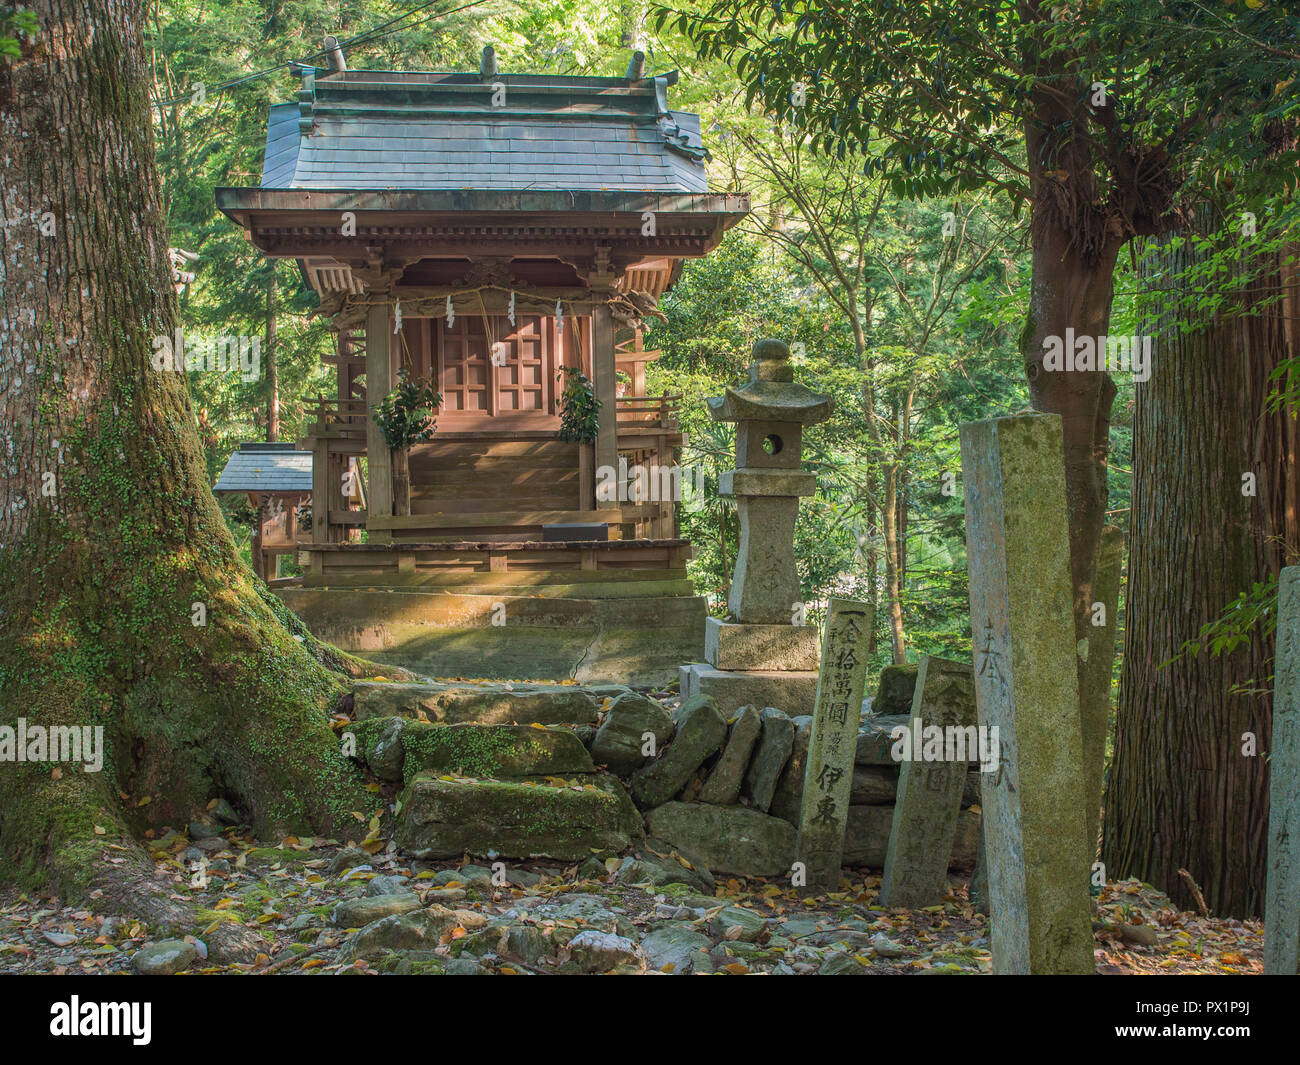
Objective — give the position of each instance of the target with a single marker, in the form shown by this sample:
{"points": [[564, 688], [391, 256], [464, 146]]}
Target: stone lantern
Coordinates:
{"points": [[763, 653]]}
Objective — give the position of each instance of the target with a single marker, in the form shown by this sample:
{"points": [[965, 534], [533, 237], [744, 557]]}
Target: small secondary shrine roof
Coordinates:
{"points": [[268, 468]]}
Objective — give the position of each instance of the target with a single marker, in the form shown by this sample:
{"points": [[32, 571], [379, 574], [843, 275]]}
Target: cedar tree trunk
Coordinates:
{"points": [[111, 545]]}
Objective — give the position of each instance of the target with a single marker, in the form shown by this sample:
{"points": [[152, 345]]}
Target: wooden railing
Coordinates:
{"points": [[651, 412], [345, 413], [648, 436]]}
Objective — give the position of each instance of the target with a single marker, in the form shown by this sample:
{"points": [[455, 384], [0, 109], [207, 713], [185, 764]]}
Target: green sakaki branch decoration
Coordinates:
{"points": [[406, 416], [579, 408]]}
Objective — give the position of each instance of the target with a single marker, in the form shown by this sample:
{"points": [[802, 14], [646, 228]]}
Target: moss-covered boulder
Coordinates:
{"points": [[775, 745], [399, 931], [789, 786], [395, 749], [621, 738], [729, 839], [378, 744], [866, 838], [876, 738], [723, 786], [512, 818], [894, 694], [164, 958], [647, 867], [355, 913], [493, 750]]}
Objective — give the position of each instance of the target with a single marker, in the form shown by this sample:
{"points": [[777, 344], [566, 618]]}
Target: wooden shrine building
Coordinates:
{"points": [[486, 231], [277, 480]]}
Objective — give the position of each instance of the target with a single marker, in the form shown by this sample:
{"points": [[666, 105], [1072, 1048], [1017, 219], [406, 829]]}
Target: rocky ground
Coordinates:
{"points": [[473, 768], [314, 906]]}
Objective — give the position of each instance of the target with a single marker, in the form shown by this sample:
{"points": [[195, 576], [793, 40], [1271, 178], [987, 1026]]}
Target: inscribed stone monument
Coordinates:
{"points": [[1037, 852], [928, 799], [828, 774]]}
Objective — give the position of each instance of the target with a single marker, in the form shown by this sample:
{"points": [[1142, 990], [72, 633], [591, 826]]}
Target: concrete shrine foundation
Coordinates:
{"points": [[638, 641]]}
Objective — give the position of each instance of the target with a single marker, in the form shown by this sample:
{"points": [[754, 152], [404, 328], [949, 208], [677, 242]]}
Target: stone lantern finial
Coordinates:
{"points": [[771, 362]]}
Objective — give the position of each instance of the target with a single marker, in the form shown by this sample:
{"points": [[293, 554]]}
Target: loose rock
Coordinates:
{"points": [[513, 819], [599, 952], [622, 735], [775, 744], [164, 957], [701, 731], [674, 948], [723, 786], [789, 789], [728, 839], [354, 913]]}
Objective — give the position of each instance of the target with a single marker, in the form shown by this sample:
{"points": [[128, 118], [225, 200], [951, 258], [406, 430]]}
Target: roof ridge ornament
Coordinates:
{"points": [[334, 52], [307, 102]]}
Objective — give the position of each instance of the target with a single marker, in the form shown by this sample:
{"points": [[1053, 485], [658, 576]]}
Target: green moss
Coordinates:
{"points": [[278, 854], [401, 963], [470, 750], [97, 630], [205, 918]]}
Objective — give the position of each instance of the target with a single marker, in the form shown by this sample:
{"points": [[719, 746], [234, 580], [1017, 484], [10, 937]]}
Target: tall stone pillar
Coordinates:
{"points": [[1036, 849], [1282, 886]]}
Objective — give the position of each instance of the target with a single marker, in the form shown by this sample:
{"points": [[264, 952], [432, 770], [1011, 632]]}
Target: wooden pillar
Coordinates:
{"points": [[255, 545], [320, 490], [379, 382], [603, 380], [586, 477], [344, 376], [290, 530]]}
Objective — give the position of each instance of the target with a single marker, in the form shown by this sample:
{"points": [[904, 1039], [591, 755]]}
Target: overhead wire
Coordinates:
{"points": [[375, 33]]}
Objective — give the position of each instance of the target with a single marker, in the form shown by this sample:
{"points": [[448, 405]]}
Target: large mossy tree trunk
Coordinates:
{"points": [[111, 545], [1069, 292], [1182, 792]]}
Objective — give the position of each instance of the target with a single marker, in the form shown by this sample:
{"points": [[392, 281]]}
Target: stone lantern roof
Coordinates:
{"points": [[771, 393]]}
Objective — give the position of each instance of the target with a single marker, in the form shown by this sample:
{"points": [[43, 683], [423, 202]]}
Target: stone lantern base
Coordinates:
{"points": [[794, 692], [756, 665], [731, 645]]}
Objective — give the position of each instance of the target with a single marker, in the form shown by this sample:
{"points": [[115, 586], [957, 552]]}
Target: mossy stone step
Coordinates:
{"points": [[493, 750], [396, 749], [482, 704], [519, 819]]}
